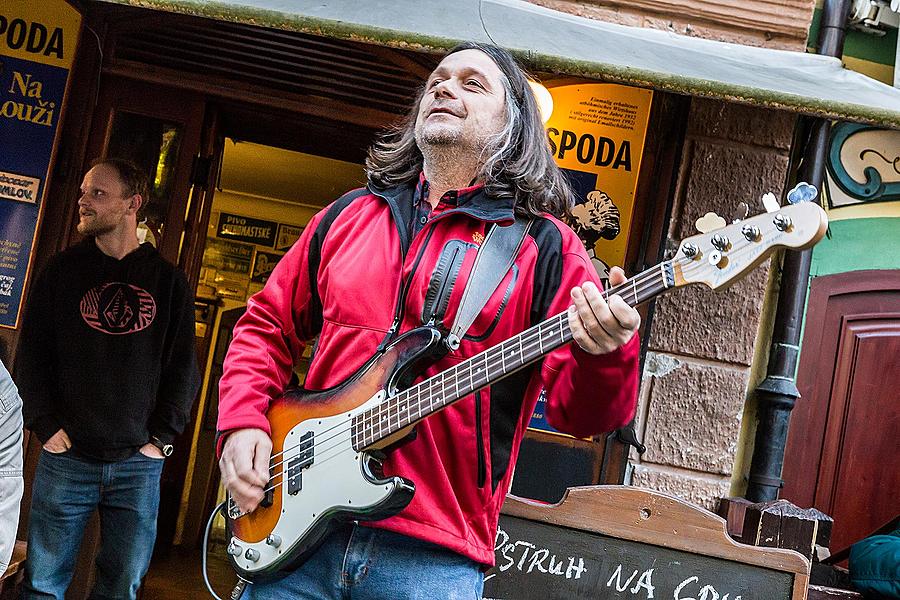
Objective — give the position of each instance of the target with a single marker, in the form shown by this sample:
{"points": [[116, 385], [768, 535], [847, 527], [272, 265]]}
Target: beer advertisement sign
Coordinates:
{"points": [[37, 48], [596, 133]]}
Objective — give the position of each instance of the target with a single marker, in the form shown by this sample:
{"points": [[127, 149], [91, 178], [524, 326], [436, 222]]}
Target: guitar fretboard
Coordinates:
{"points": [[431, 395]]}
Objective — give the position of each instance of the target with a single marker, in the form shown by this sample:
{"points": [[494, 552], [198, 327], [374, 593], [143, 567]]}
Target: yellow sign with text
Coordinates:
{"points": [[45, 32], [596, 133]]}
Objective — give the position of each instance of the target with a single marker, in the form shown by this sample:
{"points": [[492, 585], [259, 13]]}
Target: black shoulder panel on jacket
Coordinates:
{"points": [[507, 394], [315, 250], [506, 405], [548, 270]]}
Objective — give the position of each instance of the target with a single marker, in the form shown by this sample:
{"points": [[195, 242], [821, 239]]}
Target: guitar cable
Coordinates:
{"points": [[242, 583]]}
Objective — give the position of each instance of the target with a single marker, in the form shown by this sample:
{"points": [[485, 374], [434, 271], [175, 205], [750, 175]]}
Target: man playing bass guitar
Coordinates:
{"points": [[394, 256]]}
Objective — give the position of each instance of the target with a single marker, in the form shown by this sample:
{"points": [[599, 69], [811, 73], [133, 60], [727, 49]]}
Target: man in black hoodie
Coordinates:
{"points": [[107, 373]]}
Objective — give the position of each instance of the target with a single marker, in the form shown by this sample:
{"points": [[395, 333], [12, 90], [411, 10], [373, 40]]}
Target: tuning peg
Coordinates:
{"points": [[709, 222], [770, 202], [741, 212], [802, 192]]}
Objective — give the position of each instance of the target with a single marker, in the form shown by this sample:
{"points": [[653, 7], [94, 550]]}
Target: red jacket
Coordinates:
{"points": [[341, 282]]}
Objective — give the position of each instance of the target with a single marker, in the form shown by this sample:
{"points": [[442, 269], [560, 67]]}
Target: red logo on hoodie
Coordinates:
{"points": [[118, 308]]}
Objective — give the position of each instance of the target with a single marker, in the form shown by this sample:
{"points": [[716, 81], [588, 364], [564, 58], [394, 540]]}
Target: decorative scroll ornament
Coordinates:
{"points": [[863, 164]]}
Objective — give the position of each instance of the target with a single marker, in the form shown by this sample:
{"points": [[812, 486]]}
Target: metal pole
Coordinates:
{"points": [[778, 392]]}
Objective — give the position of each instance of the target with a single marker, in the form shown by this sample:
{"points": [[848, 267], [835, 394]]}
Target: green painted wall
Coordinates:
{"points": [[858, 244], [877, 49]]}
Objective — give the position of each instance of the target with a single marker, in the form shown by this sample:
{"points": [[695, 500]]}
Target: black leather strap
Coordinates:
{"points": [[495, 257]]}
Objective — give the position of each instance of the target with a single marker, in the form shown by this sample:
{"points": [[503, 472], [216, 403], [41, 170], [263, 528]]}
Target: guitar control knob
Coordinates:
{"points": [[273, 540], [782, 222], [690, 250], [751, 233], [233, 549], [251, 555], [720, 242]]}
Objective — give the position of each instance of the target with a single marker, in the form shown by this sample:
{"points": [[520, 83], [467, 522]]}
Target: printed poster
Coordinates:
{"points": [[287, 235], [263, 265], [246, 229], [596, 133], [37, 48]]}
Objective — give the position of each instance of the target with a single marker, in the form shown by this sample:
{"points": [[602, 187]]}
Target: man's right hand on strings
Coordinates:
{"points": [[245, 466]]}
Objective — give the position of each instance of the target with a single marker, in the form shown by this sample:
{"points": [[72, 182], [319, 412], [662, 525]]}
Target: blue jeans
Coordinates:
{"points": [[363, 563], [66, 492], [11, 482]]}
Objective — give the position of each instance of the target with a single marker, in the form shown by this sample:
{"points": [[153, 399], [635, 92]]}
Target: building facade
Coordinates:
{"points": [[245, 118]]}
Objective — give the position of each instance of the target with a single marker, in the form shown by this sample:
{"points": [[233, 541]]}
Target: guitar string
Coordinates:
{"points": [[431, 383], [427, 387], [434, 380], [687, 267]]}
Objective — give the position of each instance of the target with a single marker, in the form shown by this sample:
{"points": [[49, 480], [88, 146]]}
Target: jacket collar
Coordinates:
{"points": [[472, 202]]}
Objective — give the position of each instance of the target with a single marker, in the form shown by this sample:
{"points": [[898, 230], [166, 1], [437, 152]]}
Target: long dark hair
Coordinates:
{"points": [[520, 163]]}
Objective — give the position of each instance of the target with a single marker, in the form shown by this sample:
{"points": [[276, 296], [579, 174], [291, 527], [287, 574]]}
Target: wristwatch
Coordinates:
{"points": [[166, 449]]}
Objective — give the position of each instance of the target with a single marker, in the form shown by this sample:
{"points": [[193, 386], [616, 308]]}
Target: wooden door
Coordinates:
{"points": [[159, 128], [842, 454]]}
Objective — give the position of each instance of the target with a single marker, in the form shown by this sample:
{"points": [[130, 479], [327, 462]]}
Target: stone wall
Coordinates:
{"points": [[706, 349], [701, 350]]}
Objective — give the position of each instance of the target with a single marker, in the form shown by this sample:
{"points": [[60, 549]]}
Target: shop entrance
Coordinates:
{"points": [[263, 198], [218, 170]]}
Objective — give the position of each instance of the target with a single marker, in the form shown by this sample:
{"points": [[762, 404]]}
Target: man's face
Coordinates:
{"points": [[464, 102], [103, 205]]}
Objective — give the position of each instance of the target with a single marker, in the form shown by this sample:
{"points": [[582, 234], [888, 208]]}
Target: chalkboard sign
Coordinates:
{"points": [[615, 542]]}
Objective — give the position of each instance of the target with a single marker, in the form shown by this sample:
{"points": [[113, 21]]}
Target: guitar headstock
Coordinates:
{"points": [[718, 258]]}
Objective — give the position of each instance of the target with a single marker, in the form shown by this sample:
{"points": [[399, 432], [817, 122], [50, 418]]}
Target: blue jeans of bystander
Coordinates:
{"points": [[363, 563], [67, 490]]}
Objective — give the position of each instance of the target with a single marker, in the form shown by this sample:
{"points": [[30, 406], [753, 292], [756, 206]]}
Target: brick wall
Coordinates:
{"points": [[701, 349], [781, 24]]}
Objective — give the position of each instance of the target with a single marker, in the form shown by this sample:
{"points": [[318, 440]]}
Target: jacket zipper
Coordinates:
{"points": [[440, 293], [404, 290], [479, 440]]}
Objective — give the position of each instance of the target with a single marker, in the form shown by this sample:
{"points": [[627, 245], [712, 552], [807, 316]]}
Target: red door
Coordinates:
{"points": [[843, 452]]}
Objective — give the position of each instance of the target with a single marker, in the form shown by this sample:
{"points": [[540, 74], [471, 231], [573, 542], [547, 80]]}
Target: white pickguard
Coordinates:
{"points": [[334, 480]]}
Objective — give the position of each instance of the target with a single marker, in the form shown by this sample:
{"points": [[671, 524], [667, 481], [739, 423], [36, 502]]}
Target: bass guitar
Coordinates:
{"points": [[325, 466]]}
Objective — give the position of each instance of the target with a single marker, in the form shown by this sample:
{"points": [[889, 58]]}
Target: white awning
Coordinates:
{"points": [[557, 42]]}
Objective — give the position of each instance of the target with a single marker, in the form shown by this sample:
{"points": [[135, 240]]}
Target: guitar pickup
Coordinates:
{"points": [[269, 497], [295, 466]]}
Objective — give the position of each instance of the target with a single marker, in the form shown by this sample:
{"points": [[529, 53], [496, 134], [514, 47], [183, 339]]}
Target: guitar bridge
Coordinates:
{"points": [[295, 466], [234, 512]]}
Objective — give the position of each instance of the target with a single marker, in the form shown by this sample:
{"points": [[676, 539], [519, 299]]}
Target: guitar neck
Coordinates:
{"points": [[433, 394]]}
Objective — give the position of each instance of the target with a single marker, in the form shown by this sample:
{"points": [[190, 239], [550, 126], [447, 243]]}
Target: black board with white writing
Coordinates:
{"points": [[674, 558], [540, 561]]}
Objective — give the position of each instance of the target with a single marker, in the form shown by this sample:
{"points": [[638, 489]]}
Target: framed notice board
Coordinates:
{"points": [[618, 542]]}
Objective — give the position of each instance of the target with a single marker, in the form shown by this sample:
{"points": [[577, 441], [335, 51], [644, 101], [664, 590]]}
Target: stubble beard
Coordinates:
{"points": [[445, 146], [437, 135], [94, 227]]}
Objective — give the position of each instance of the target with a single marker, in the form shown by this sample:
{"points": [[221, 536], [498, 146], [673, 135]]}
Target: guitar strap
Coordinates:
{"points": [[494, 259]]}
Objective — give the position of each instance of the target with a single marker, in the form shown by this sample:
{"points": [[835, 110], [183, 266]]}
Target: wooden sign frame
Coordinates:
{"points": [[657, 519]]}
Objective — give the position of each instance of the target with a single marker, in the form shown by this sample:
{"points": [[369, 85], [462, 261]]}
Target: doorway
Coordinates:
{"points": [[263, 198]]}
